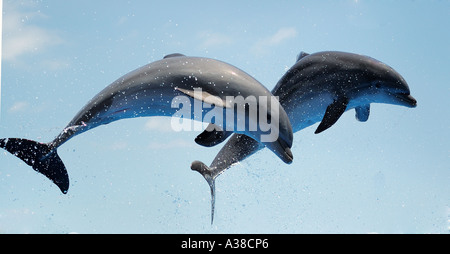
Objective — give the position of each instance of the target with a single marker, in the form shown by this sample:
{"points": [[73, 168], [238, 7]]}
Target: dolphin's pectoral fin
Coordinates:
{"points": [[173, 55], [207, 172], [204, 97], [362, 112], [332, 114], [212, 136]]}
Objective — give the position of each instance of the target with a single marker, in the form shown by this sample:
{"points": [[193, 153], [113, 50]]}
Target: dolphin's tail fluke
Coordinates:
{"points": [[41, 157], [206, 172]]}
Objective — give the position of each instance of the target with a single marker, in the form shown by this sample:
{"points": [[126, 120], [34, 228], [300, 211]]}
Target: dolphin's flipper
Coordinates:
{"points": [[212, 136], [204, 97], [332, 114], [206, 172], [362, 112], [41, 157]]}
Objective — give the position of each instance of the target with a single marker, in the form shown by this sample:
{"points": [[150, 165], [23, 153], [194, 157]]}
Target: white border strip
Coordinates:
{"points": [[1, 49]]}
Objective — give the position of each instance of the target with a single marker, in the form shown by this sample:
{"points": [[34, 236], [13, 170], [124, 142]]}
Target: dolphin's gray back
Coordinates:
{"points": [[335, 71], [149, 90], [159, 79]]}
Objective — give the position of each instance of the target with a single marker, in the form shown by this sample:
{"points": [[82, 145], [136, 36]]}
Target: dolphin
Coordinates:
{"points": [[151, 91], [320, 87]]}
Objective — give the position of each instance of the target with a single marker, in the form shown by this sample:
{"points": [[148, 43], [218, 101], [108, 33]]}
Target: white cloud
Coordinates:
{"points": [[119, 145], [21, 37], [214, 39], [159, 124], [55, 64], [282, 35], [163, 125], [18, 107], [179, 143]]}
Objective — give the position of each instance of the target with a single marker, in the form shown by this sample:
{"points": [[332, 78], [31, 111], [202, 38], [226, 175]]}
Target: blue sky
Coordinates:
{"points": [[388, 175]]}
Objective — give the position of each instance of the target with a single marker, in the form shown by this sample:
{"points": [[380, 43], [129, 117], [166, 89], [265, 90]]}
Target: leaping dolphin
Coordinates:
{"points": [[149, 91], [320, 87]]}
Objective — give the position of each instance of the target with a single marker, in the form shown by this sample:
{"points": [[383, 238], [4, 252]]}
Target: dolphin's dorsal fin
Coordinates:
{"points": [[212, 136], [204, 96], [332, 114], [301, 55], [362, 112], [173, 55]]}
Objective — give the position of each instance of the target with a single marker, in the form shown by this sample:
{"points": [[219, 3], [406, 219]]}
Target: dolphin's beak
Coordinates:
{"points": [[412, 101], [283, 151], [288, 155], [406, 100]]}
